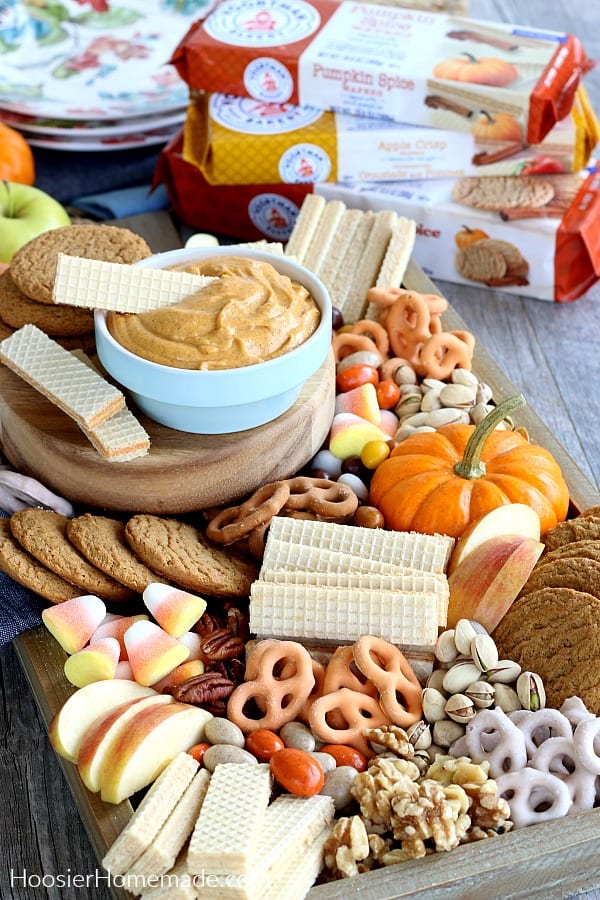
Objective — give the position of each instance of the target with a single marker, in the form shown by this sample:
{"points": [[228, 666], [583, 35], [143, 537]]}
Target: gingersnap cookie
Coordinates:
{"points": [[102, 541], [16, 309], [5, 330], [479, 263], [590, 511], [496, 192], [43, 533], [583, 528], [556, 633], [33, 267], [580, 574], [572, 550], [181, 553], [27, 571]]}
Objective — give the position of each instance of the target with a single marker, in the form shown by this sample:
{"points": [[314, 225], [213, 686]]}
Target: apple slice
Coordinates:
{"points": [[512, 518], [75, 716], [102, 734], [485, 584], [149, 743]]}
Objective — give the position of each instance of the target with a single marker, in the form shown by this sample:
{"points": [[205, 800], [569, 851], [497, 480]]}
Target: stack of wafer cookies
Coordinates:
{"points": [[321, 579], [350, 250]]}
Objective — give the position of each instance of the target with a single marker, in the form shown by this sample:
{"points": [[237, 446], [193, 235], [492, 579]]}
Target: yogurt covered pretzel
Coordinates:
{"points": [[21, 492]]}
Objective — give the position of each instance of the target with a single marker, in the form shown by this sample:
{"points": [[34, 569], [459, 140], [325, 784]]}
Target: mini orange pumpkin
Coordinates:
{"points": [[440, 481], [467, 236], [500, 126], [16, 158], [468, 68]]}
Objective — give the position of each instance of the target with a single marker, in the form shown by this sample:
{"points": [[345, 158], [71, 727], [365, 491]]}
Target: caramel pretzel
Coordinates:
{"points": [[391, 673], [442, 353], [327, 499], [317, 691], [375, 332], [346, 343], [257, 539], [341, 672], [236, 522], [408, 322], [279, 699], [358, 712]]}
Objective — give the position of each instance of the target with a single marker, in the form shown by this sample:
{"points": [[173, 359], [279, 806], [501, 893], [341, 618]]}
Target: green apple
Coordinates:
{"points": [[25, 212]]}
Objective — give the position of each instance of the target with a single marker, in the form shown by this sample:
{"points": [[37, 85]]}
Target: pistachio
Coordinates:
{"points": [[432, 384], [465, 376], [484, 652], [405, 374], [435, 680], [430, 401], [479, 412], [446, 732], [464, 632], [481, 693], [459, 395], [435, 750], [421, 429], [415, 420], [484, 393], [403, 432], [460, 676], [445, 648], [504, 672], [361, 357], [531, 692], [419, 734], [408, 406], [447, 416], [410, 390], [460, 708], [506, 698], [433, 704]]}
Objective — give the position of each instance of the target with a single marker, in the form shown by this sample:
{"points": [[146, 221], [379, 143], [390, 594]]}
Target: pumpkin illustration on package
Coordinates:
{"points": [[489, 70], [499, 126], [467, 236]]}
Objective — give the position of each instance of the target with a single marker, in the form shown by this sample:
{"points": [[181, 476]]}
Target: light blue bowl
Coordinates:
{"points": [[220, 401]]}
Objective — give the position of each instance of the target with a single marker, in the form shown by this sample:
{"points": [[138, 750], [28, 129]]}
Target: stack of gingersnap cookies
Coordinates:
{"points": [[59, 558], [26, 286], [553, 628]]}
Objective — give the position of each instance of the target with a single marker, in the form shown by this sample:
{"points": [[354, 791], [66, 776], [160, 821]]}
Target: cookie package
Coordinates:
{"points": [[407, 65]]}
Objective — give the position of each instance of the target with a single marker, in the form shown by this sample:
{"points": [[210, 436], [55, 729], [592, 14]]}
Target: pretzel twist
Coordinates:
{"points": [[408, 323], [345, 343], [357, 711], [327, 499], [375, 332], [237, 522], [442, 353], [388, 669], [278, 698]]}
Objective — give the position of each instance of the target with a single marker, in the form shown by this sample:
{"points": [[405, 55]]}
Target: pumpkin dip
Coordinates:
{"points": [[250, 314]]}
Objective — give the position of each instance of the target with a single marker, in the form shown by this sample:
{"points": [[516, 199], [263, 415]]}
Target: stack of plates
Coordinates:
{"points": [[97, 78]]}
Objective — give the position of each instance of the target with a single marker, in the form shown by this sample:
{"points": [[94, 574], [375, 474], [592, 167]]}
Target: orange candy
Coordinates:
{"points": [[353, 376], [346, 756], [198, 751], [263, 744], [297, 772], [388, 394]]}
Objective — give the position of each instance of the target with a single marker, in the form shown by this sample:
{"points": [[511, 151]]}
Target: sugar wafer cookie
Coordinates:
{"points": [[66, 381], [324, 234], [96, 284], [343, 614], [342, 239], [305, 226], [299, 875], [162, 852], [150, 815], [177, 884], [283, 556], [397, 254], [227, 830], [347, 271], [371, 259]]}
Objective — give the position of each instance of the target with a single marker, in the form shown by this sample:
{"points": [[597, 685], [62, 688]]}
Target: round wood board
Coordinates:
{"points": [[182, 472]]}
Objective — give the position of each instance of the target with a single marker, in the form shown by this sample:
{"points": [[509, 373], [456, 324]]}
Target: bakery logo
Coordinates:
{"points": [[304, 163], [273, 215], [262, 23], [250, 116], [268, 80]]}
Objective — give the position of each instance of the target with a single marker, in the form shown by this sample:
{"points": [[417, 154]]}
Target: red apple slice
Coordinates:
{"points": [[151, 741], [512, 518], [489, 579]]}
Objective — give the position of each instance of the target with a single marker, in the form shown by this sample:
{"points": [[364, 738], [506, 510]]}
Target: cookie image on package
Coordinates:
{"points": [[33, 267], [492, 261], [497, 192]]}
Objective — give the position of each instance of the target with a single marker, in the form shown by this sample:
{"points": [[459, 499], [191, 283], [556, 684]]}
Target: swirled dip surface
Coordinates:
{"points": [[250, 314]]}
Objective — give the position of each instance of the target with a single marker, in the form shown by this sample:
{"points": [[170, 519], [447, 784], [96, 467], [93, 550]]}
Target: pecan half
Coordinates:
{"points": [[222, 644], [204, 690], [207, 623], [237, 623]]}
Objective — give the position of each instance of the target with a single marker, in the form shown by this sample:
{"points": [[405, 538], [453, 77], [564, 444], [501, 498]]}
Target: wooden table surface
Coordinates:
{"points": [[551, 352]]}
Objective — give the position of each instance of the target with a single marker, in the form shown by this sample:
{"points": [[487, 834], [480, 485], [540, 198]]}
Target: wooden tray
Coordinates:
{"points": [[538, 862]]}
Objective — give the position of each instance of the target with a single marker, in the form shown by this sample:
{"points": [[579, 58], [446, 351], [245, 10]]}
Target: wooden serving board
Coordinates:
{"points": [[182, 472], [539, 862]]}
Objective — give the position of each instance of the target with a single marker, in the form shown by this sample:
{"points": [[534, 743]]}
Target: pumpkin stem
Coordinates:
{"points": [[489, 116], [470, 57], [471, 466]]}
